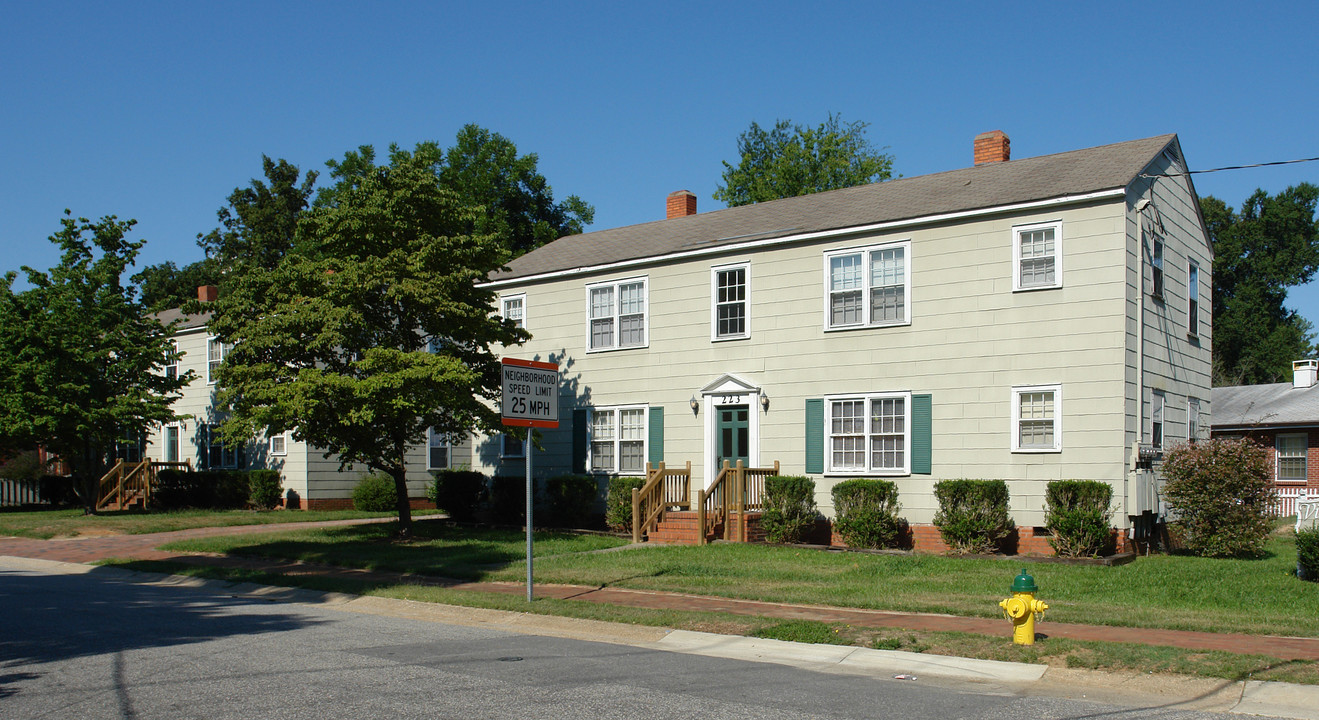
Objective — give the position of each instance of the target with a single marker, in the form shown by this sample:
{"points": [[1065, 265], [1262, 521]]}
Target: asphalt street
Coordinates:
{"points": [[102, 644]]}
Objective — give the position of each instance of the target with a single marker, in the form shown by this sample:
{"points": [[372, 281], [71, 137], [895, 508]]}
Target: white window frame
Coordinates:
{"points": [[1017, 392], [616, 316], [1192, 419], [435, 441], [225, 349], [1017, 232], [280, 439], [866, 289], [504, 312], [617, 440], [1192, 299], [172, 367], [745, 302], [1305, 460], [1158, 419], [868, 433]]}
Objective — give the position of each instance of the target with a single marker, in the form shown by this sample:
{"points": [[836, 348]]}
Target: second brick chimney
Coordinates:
{"points": [[992, 147], [682, 203], [207, 293]]}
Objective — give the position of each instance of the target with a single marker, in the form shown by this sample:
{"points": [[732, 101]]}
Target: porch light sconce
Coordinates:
{"points": [[764, 402], [696, 405]]}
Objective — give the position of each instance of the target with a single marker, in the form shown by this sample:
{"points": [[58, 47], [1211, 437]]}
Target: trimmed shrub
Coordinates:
{"points": [[508, 499], [1307, 553], [1220, 496], [866, 513], [202, 489], [458, 492], [266, 487], [789, 511], [566, 501], [375, 492], [973, 514], [618, 504], [57, 489], [1077, 517]]}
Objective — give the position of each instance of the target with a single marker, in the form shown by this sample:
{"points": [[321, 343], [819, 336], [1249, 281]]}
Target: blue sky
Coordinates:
{"points": [[157, 110]]}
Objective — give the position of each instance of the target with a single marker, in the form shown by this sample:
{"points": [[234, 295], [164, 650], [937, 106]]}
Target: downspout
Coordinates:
{"points": [[1140, 207]]}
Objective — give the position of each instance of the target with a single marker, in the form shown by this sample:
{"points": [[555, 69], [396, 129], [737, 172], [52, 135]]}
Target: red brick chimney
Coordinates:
{"points": [[682, 203], [207, 293], [992, 147]]}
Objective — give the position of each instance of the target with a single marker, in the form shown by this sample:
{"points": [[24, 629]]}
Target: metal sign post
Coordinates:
{"points": [[530, 400]]}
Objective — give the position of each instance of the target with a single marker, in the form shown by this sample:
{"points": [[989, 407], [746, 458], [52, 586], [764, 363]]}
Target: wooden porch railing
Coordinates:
{"points": [[736, 490], [664, 489], [128, 481]]}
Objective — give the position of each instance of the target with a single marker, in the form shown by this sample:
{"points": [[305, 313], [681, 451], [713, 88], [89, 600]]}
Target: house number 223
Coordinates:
{"points": [[730, 400]]}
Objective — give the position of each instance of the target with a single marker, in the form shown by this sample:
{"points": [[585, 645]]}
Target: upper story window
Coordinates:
{"points": [[731, 301], [437, 451], [1037, 252], [869, 434], [216, 352], [617, 315], [868, 287], [1157, 401], [1037, 418], [1156, 268], [1193, 300], [514, 307], [279, 444], [172, 368], [618, 440], [1292, 450]]}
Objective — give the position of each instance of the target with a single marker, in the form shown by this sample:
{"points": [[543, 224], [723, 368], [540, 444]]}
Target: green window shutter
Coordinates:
{"points": [[579, 441], [656, 435], [921, 434], [815, 435]]}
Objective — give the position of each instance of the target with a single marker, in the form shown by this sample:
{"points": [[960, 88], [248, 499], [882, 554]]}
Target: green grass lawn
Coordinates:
{"points": [[44, 524], [1260, 596]]}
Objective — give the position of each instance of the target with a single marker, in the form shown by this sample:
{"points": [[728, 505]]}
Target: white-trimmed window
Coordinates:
{"points": [[514, 307], [616, 315], [1037, 252], [1192, 419], [512, 446], [1156, 268], [730, 290], [279, 444], [1157, 401], [218, 455], [216, 352], [868, 287], [869, 434], [618, 440], [172, 368], [1292, 450], [1193, 300], [1037, 412], [437, 451]]}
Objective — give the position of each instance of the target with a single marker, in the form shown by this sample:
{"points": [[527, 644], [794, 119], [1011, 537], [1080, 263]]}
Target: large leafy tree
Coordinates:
{"points": [[1271, 244], [81, 363], [256, 229], [375, 330], [789, 160]]}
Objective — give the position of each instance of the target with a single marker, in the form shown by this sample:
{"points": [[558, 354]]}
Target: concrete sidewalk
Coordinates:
{"points": [[1123, 689]]}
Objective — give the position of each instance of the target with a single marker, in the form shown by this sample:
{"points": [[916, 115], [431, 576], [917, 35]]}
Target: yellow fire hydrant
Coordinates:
{"points": [[1022, 608]]}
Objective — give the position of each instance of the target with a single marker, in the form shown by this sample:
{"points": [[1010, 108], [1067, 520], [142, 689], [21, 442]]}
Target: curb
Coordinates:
{"points": [[1251, 697]]}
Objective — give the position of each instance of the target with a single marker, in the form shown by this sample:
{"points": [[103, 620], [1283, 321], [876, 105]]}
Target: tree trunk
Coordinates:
{"points": [[400, 474]]}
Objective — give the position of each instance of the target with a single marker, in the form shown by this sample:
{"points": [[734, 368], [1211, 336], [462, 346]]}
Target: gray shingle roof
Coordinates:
{"points": [[183, 320], [1265, 405], [996, 184]]}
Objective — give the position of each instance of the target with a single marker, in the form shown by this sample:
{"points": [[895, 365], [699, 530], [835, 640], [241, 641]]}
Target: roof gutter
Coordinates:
{"points": [[802, 237]]}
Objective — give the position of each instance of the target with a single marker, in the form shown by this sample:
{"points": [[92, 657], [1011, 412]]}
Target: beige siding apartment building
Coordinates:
{"points": [[1026, 320]]}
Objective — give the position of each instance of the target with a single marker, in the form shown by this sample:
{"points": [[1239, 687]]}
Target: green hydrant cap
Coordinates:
{"points": [[1024, 583]]}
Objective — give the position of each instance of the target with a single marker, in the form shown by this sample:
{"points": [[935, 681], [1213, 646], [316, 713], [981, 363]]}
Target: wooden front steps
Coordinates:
{"points": [[682, 527]]}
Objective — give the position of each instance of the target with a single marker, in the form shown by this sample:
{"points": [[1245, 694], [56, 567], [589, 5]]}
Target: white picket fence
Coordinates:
{"points": [[13, 492], [1284, 502]]}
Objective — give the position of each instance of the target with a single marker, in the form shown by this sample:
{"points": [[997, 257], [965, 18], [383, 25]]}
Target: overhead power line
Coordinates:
{"points": [[1231, 167]]}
